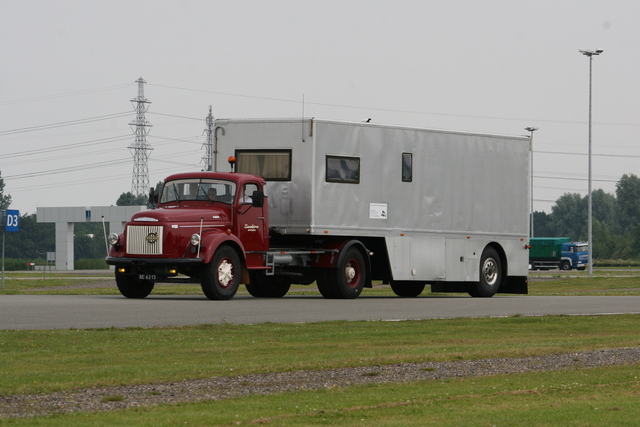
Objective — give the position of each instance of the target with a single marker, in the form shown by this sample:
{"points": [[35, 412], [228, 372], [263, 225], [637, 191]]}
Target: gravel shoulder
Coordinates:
{"points": [[216, 388]]}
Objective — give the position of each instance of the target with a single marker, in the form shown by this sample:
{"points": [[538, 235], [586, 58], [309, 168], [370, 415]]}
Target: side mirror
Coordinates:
{"points": [[257, 199], [153, 197]]}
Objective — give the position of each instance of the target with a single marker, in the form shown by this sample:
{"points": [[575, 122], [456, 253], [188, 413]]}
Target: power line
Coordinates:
{"points": [[585, 154], [75, 183], [64, 147], [61, 124], [65, 169], [173, 115], [368, 108], [168, 140], [189, 140], [96, 165], [574, 179], [63, 95]]}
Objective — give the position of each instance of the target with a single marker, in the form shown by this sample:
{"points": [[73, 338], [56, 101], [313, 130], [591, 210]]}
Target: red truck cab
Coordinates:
{"points": [[208, 227]]}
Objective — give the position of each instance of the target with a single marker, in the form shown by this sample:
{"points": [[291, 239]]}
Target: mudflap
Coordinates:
{"points": [[515, 285]]}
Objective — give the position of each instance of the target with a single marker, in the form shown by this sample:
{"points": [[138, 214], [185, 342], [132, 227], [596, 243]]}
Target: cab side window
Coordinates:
{"points": [[247, 192]]}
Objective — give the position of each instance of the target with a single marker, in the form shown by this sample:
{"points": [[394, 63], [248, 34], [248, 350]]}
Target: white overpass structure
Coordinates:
{"points": [[65, 217]]}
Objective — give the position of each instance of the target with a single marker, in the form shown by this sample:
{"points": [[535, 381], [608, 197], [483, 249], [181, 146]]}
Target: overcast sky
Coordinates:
{"points": [[69, 69]]}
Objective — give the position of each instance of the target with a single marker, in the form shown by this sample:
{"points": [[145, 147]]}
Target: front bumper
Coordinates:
{"points": [[159, 266]]}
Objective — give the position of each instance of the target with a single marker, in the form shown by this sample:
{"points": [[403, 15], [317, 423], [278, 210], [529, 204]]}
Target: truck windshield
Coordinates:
{"points": [[213, 190]]}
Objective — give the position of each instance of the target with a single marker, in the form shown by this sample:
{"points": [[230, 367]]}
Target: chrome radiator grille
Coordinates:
{"points": [[144, 239]]}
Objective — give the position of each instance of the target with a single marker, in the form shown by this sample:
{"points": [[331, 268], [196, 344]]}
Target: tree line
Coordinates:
{"points": [[615, 220], [34, 239]]}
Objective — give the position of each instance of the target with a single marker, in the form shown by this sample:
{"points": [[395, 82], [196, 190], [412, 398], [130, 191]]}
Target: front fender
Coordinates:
{"points": [[211, 241]]}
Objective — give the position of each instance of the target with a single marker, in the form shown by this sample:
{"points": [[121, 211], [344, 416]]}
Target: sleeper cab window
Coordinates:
{"points": [[407, 167], [343, 169], [272, 165]]}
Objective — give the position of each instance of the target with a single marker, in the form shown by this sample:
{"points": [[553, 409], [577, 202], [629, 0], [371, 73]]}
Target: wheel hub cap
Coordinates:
{"points": [[490, 271], [225, 273], [350, 273]]}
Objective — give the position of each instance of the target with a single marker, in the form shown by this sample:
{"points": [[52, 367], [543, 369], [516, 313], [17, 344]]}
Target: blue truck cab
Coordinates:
{"points": [[547, 253], [574, 255]]}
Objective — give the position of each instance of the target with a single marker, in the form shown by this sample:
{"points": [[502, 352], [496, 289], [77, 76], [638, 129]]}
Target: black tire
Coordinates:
{"points": [[221, 277], [347, 280], [407, 289], [263, 286], [253, 288], [324, 284], [565, 265], [490, 274], [130, 287]]}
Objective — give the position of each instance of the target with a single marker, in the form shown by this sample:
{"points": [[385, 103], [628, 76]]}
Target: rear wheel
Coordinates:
{"points": [[490, 274], [253, 288], [130, 287], [221, 277], [324, 284], [347, 280], [267, 286], [407, 289]]}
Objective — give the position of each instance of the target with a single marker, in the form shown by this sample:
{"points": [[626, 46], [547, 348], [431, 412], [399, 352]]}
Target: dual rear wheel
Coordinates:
{"points": [[263, 286], [347, 280]]}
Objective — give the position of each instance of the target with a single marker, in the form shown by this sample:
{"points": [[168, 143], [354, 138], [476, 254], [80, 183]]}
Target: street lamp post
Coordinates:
{"points": [[590, 54], [531, 129]]}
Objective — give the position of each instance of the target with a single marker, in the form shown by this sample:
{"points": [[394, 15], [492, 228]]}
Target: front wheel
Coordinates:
{"points": [[490, 274], [130, 287], [221, 277], [565, 265]]}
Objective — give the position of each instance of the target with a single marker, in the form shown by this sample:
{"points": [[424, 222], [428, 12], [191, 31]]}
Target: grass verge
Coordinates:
{"points": [[44, 361], [598, 396]]}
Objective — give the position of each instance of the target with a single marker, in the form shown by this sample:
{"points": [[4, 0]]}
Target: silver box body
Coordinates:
{"points": [[467, 190]]}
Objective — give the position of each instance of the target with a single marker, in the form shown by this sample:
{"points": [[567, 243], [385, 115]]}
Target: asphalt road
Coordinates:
{"points": [[99, 311]]}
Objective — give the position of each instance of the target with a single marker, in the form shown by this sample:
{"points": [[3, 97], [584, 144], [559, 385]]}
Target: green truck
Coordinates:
{"points": [[546, 253]]}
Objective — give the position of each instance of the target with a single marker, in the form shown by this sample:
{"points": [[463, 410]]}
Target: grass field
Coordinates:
{"points": [[49, 361]]}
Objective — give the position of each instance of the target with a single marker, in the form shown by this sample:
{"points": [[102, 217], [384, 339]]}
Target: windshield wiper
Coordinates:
{"points": [[175, 190]]}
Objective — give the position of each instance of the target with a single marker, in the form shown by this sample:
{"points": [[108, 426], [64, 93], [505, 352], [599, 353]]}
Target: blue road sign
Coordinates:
{"points": [[12, 220]]}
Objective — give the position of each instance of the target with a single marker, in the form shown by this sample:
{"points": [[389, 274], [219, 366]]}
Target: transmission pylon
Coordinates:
{"points": [[140, 148], [207, 159]]}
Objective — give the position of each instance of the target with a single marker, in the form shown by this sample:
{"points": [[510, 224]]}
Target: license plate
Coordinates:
{"points": [[146, 277]]}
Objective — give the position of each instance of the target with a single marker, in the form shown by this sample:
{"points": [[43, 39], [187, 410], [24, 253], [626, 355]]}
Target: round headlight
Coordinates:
{"points": [[195, 239], [113, 239]]}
